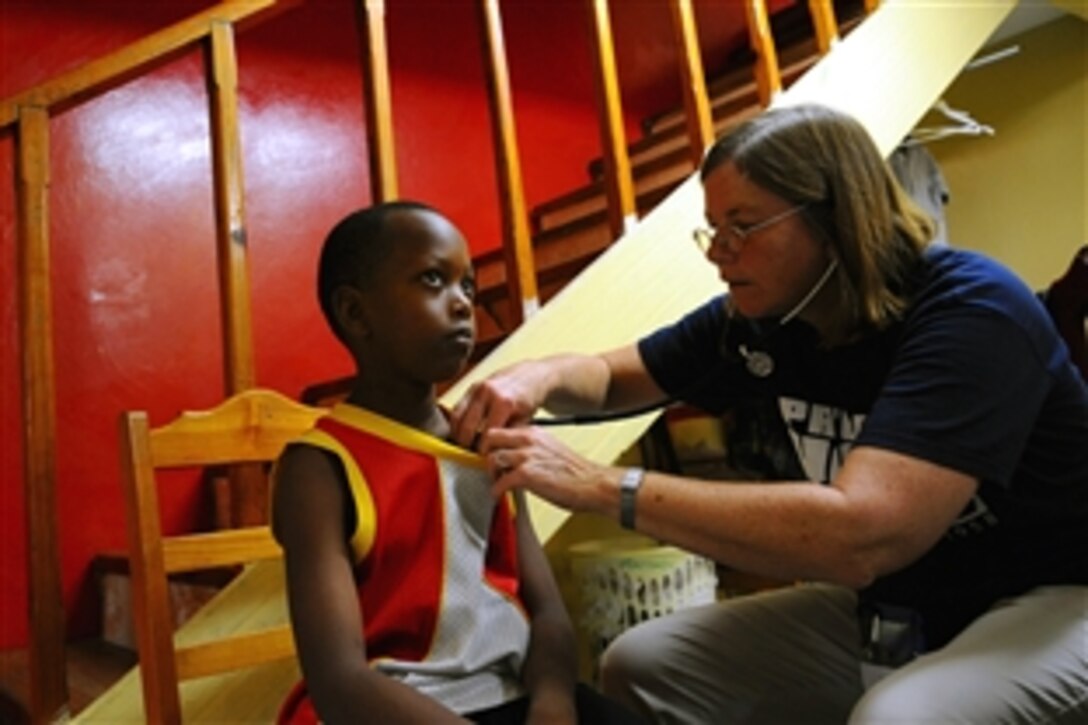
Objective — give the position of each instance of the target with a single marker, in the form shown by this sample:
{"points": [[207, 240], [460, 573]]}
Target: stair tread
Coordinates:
{"points": [[730, 103]]}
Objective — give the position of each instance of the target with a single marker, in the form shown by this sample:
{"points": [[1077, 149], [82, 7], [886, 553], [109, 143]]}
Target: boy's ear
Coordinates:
{"points": [[347, 304]]}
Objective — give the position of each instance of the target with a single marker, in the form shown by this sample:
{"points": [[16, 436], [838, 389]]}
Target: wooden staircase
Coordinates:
{"points": [[571, 230]]}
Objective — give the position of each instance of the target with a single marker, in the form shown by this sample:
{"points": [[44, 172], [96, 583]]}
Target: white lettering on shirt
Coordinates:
{"points": [[821, 435]]}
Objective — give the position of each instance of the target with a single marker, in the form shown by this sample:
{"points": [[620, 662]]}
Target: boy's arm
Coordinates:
{"points": [[550, 671], [308, 512]]}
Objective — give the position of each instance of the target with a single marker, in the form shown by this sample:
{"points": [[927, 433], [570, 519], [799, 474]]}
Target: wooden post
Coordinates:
{"points": [[768, 77], [377, 100], [618, 181], [517, 243], [248, 489], [230, 209], [696, 101], [48, 684], [824, 23], [871, 6]]}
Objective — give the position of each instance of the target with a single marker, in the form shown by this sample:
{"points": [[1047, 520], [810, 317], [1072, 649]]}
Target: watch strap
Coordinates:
{"points": [[630, 483]]}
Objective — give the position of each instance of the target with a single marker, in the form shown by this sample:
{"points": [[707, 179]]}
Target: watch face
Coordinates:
{"points": [[632, 479]]}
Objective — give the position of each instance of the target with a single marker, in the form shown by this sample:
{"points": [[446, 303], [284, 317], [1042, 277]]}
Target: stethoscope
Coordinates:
{"points": [[760, 363], [757, 361]]}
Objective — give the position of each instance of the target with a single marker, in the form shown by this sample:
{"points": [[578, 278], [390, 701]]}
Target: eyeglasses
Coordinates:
{"points": [[734, 236]]}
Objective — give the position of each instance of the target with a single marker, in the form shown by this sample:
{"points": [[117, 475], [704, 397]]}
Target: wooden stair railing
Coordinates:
{"points": [[572, 229], [737, 83], [733, 99]]}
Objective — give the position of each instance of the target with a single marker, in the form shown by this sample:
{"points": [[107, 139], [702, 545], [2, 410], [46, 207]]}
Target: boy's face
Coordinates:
{"points": [[419, 309]]}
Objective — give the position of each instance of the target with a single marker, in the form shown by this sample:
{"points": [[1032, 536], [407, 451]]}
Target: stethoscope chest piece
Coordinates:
{"points": [[761, 364], [758, 363]]}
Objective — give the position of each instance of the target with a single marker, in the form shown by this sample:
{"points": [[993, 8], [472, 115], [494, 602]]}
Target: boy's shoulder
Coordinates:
{"points": [[351, 426]]}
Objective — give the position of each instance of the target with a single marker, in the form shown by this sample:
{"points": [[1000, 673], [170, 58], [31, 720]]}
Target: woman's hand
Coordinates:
{"points": [[532, 459], [510, 397]]}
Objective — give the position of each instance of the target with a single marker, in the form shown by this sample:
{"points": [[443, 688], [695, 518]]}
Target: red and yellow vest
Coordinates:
{"points": [[435, 563]]}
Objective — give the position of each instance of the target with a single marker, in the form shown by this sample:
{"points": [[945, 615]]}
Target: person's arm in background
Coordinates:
{"points": [[1067, 301], [309, 503], [551, 664], [571, 383]]}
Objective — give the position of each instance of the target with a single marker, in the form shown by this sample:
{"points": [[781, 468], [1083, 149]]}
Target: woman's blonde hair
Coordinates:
{"points": [[825, 159]]}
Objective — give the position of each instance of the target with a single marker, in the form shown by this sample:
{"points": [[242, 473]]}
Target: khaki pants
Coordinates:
{"points": [[792, 656]]}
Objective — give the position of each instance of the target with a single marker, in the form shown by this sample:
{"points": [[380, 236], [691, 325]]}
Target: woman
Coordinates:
{"points": [[926, 389]]}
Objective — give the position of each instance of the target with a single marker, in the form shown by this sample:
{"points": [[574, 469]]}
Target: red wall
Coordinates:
{"points": [[136, 322]]}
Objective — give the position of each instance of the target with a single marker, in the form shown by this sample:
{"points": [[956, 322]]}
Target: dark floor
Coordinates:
{"points": [[93, 666]]}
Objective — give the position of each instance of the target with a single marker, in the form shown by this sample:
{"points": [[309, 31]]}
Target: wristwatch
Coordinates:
{"points": [[629, 484]]}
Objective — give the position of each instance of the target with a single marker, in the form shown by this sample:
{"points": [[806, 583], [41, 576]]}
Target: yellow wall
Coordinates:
{"points": [[1021, 194]]}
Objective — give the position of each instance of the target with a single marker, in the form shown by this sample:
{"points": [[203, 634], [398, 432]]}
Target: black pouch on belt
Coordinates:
{"points": [[890, 636]]}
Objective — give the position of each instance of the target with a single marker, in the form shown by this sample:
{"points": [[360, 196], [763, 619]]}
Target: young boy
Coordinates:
{"points": [[414, 595]]}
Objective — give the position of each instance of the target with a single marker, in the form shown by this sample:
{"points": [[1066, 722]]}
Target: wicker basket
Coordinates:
{"points": [[624, 581]]}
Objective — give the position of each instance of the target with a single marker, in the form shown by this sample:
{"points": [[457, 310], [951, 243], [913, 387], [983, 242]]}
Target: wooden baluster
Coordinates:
{"points": [[48, 685], [696, 101], [230, 209], [768, 77], [517, 242], [824, 23], [618, 181], [377, 100], [248, 485]]}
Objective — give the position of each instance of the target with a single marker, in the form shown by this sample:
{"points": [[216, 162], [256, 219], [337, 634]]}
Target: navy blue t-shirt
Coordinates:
{"points": [[974, 377]]}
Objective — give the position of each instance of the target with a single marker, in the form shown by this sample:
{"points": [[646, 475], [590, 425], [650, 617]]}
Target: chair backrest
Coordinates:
{"points": [[251, 427]]}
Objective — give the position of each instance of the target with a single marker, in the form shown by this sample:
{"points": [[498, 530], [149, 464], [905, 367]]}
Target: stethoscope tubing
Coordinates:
{"points": [[759, 364], [596, 418]]}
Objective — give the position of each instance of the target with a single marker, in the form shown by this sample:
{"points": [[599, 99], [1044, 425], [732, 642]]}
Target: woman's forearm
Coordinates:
{"points": [[575, 383]]}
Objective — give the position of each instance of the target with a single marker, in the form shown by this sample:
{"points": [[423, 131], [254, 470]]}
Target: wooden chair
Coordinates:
{"points": [[251, 427]]}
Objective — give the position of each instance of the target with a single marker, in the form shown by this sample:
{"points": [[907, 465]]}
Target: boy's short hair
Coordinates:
{"points": [[354, 250]]}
